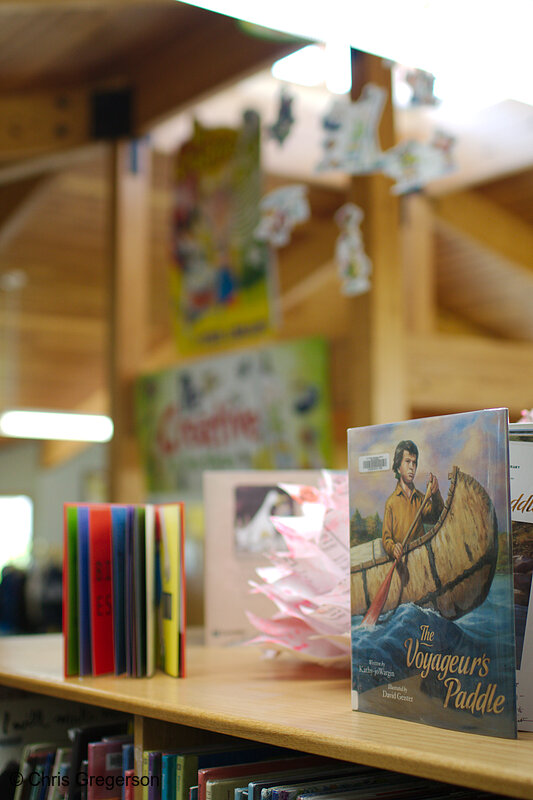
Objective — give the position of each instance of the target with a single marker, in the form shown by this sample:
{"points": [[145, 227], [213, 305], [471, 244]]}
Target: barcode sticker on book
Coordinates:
{"points": [[113, 761], [377, 462], [166, 605]]}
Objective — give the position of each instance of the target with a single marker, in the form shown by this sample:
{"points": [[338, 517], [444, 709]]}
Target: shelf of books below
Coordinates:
{"points": [[286, 724]]}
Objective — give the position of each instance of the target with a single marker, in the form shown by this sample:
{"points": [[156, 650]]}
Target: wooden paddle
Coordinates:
{"points": [[376, 606]]}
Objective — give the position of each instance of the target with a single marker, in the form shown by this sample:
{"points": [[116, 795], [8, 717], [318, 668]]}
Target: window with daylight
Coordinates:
{"points": [[16, 513]]}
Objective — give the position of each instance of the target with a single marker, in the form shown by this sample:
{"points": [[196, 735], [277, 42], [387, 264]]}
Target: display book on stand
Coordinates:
{"points": [[123, 589], [434, 596]]}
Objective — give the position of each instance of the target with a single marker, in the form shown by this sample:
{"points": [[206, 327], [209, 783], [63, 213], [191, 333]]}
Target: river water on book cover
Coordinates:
{"points": [[393, 688]]}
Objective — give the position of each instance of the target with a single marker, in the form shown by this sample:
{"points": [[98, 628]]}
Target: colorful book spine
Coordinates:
{"points": [[118, 525], [123, 589], [100, 559], [129, 786], [154, 775], [128, 751], [70, 591], [84, 593], [168, 776], [104, 767]]}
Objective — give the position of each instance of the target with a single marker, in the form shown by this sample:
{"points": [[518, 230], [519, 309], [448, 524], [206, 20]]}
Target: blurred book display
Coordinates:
{"points": [[123, 589], [521, 474], [239, 537], [267, 408], [431, 586]]}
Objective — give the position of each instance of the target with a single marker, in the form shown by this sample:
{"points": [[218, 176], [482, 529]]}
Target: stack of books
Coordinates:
{"points": [[123, 589]]}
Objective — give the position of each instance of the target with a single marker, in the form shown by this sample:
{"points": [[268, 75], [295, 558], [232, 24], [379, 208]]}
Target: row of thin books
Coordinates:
{"points": [[98, 764], [123, 589], [238, 769], [93, 762]]}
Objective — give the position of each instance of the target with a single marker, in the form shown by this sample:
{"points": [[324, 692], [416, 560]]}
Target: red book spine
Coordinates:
{"points": [[129, 786], [101, 583], [65, 593]]}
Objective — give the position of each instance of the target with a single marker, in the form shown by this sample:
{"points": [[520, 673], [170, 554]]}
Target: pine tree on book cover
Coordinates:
{"points": [[431, 577]]}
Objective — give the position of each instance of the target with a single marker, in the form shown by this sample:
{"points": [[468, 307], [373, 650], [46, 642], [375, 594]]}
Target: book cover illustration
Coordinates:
{"points": [[267, 408], [222, 274], [431, 577], [521, 474]]}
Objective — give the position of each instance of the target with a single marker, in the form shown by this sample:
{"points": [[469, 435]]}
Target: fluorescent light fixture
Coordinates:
{"points": [[316, 65], [486, 42], [56, 425]]}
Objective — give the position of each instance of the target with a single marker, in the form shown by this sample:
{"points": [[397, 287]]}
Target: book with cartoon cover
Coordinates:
{"points": [[431, 574]]}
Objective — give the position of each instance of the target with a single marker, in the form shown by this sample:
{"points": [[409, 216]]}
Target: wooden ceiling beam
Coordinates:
{"points": [[32, 123], [210, 55], [33, 5], [489, 224]]}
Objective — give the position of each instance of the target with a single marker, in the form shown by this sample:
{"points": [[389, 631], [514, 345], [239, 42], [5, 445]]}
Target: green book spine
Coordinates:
{"points": [[73, 657]]}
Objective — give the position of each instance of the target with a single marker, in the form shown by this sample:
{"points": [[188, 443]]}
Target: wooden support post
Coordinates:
{"points": [[418, 264], [376, 364], [129, 292]]}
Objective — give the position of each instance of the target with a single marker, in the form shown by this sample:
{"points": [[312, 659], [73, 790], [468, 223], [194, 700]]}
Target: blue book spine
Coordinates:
{"points": [[84, 595], [168, 776], [128, 592], [127, 762], [118, 517]]}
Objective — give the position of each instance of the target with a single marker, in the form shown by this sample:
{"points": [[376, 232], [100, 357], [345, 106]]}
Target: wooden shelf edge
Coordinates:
{"points": [[299, 706]]}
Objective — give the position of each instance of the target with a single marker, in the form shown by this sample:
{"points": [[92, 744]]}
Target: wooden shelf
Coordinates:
{"points": [[297, 705]]}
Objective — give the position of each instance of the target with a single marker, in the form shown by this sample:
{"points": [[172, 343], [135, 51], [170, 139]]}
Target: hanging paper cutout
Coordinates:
{"points": [[282, 126], [281, 210], [353, 264], [414, 164], [421, 84], [351, 143]]}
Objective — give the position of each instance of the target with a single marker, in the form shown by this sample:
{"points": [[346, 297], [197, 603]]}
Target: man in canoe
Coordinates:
{"points": [[403, 504]]}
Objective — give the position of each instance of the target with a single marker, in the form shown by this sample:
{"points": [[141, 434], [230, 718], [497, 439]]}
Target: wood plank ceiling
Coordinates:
{"points": [[55, 57], [53, 223]]}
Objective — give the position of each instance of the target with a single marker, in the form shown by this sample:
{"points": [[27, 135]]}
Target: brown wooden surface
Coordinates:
{"points": [[376, 376], [450, 373], [284, 702], [129, 288]]}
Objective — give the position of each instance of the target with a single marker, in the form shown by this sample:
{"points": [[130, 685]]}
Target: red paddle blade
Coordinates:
{"points": [[376, 606]]}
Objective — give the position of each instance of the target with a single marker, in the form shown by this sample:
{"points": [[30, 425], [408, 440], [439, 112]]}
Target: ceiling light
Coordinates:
{"points": [[305, 66], [317, 65], [56, 425]]}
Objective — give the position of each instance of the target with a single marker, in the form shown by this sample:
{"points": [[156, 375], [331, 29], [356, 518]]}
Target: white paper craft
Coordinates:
{"points": [[309, 581], [351, 143], [421, 84], [414, 164], [281, 210], [353, 264]]}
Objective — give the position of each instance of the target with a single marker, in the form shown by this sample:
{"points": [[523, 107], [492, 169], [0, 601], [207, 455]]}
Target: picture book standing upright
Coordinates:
{"points": [[431, 576]]}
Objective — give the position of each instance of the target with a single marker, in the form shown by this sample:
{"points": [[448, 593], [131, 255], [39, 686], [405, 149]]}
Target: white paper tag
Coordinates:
{"points": [[377, 462]]}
